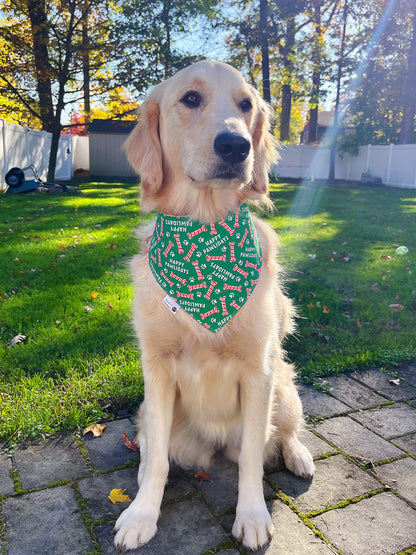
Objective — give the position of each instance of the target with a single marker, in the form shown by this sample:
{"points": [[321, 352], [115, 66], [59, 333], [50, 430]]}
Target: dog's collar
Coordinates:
{"points": [[209, 270]]}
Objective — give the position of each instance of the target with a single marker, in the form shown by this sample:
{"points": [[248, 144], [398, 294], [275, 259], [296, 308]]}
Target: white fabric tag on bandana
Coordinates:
{"points": [[171, 304]]}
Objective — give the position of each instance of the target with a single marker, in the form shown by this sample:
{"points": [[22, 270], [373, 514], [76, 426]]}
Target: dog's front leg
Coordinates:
{"points": [[253, 524], [138, 523]]}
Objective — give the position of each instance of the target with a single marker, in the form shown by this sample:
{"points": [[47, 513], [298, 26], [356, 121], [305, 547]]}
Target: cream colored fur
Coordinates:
{"points": [[229, 391]]}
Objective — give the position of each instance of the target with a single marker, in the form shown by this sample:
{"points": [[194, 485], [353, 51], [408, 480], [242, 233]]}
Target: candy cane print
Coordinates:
{"points": [[197, 286], [193, 234], [248, 291], [185, 295], [251, 231], [161, 225], [235, 305], [232, 253], [213, 230], [181, 280], [250, 265], [191, 252], [198, 271], [224, 306], [166, 251], [254, 282], [207, 326], [236, 220], [210, 290], [240, 271], [223, 258], [226, 227], [241, 243], [162, 273], [178, 243], [210, 313], [159, 262], [233, 287], [153, 258]]}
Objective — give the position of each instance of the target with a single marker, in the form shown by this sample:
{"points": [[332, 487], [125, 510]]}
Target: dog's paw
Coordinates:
{"points": [[133, 529], [299, 460], [253, 527]]}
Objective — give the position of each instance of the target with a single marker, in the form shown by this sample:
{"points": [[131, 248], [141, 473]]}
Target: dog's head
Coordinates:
{"points": [[202, 145]]}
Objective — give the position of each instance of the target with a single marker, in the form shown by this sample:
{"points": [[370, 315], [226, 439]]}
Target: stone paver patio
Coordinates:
{"points": [[362, 500]]}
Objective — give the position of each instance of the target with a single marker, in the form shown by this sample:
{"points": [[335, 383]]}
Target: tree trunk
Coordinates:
{"points": [[336, 122], [39, 29], [264, 34], [285, 112], [314, 108], [62, 82], [316, 77], [86, 64], [287, 52], [409, 101]]}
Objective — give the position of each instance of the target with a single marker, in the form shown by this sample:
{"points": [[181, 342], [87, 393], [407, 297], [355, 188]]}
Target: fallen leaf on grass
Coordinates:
{"points": [[19, 338], [118, 496], [96, 429], [320, 335], [94, 295], [130, 444], [110, 307], [203, 476], [326, 310], [396, 307]]}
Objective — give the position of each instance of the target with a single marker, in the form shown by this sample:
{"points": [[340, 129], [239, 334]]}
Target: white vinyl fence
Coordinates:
{"points": [[21, 147], [394, 164]]}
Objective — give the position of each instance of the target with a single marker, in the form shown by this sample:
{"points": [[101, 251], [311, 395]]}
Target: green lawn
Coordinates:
{"points": [[65, 285]]}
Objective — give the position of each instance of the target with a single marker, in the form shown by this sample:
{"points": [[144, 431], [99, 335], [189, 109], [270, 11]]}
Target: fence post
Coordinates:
{"points": [[4, 164], [389, 163], [368, 158]]}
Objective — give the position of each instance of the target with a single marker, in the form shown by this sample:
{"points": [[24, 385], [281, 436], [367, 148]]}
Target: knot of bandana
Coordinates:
{"points": [[210, 270]]}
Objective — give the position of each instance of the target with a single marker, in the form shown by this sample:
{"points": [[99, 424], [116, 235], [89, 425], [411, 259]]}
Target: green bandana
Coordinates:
{"points": [[209, 270]]}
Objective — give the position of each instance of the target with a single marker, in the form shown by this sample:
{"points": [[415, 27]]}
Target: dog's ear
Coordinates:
{"points": [[264, 146], [143, 147]]}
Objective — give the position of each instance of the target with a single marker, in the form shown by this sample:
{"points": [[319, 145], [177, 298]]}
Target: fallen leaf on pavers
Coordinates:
{"points": [[19, 338], [395, 382], [118, 496], [131, 444], [203, 476], [96, 429], [396, 307]]}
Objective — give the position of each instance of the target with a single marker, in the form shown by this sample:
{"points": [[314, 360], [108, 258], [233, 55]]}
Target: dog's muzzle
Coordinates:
{"points": [[231, 148], [232, 151]]}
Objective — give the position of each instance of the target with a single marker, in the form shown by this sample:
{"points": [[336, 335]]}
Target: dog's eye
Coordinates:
{"points": [[191, 99], [246, 105]]}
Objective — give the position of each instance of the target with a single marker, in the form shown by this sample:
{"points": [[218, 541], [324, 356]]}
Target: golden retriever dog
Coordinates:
{"points": [[216, 380]]}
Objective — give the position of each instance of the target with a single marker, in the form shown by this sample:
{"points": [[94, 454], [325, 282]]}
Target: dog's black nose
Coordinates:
{"points": [[231, 148]]}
